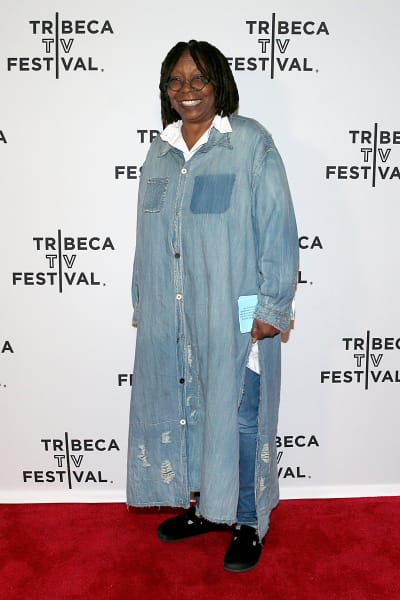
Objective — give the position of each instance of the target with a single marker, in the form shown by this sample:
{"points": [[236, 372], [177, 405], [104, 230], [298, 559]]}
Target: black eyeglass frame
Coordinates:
{"points": [[182, 82]]}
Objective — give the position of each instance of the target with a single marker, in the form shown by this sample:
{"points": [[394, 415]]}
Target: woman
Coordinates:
{"points": [[216, 235]]}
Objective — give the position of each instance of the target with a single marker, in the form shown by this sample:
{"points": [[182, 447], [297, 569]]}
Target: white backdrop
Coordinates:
{"points": [[78, 106]]}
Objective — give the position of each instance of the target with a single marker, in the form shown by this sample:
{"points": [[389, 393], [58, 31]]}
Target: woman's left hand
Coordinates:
{"points": [[261, 330]]}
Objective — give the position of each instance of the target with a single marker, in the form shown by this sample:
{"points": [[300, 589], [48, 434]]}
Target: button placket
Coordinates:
{"points": [[178, 283]]}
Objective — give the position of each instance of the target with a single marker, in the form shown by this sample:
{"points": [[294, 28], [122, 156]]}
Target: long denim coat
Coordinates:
{"points": [[210, 230]]}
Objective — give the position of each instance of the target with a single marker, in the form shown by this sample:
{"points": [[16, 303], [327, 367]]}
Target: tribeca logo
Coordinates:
{"points": [[124, 379], [293, 441], [5, 349], [308, 242], [5, 346], [57, 45], [375, 146], [61, 253], [146, 136], [68, 455], [368, 354], [3, 138], [275, 38]]}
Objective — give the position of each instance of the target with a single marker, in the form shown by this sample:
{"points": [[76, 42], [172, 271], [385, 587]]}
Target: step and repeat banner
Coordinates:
{"points": [[79, 107]]}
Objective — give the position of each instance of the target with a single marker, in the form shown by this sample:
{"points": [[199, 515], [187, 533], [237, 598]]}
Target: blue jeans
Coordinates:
{"points": [[248, 427]]}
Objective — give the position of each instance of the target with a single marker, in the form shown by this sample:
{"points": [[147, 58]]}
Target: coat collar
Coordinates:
{"points": [[218, 136]]}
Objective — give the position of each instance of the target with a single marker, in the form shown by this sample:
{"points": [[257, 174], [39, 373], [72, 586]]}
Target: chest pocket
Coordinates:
{"points": [[212, 193], [154, 195]]}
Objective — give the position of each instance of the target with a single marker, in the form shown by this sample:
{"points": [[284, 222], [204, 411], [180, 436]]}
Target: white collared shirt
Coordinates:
{"points": [[173, 135]]}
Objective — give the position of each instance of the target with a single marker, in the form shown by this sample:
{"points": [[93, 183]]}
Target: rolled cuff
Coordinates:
{"points": [[278, 318], [135, 316]]}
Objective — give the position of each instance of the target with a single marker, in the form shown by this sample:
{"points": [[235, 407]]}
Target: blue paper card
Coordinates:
{"points": [[247, 306]]}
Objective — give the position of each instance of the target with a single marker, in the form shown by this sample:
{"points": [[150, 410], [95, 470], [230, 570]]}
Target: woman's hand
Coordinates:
{"points": [[261, 330]]}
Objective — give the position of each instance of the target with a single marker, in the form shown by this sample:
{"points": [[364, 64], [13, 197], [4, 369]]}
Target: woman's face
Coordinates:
{"points": [[192, 106]]}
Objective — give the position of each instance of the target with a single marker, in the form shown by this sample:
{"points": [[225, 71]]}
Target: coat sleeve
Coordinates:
{"points": [[135, 295], [135, 289], [139, 250], [276, 239]]}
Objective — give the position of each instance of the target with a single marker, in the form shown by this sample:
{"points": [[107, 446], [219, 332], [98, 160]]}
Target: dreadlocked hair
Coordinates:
{"points": [[213, 65]]}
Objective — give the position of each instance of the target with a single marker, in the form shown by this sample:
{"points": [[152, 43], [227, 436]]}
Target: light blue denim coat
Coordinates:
{"points": [[209, 230]]}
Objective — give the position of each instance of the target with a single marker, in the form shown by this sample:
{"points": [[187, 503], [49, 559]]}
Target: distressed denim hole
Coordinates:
{"points": [[167, 472], [143, 456]]}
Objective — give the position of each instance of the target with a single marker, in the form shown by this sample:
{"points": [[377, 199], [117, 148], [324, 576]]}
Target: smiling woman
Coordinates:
{"points": [[215, 227], [196, 107], [212, 65]]}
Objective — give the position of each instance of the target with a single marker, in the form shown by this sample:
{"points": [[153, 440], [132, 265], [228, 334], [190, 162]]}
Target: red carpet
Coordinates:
{"points": [[315, 550]]}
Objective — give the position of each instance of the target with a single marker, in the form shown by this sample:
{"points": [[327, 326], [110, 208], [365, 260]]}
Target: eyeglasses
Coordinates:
{"points": [[197, 83]]}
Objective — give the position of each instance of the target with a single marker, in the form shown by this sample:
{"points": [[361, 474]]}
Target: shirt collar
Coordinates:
{"points": [[172, 133]]}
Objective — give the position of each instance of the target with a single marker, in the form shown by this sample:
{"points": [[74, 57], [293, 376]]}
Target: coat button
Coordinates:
{"points": [[183, 171], [177, 255], [181, 380], [179, 296], [182, 422]]}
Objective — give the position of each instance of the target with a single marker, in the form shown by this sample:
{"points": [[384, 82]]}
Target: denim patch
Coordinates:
{"points": [[212, 193], [154, 196]]}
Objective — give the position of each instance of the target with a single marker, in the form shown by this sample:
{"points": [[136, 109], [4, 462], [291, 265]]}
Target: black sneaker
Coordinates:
{"points": [[244, 550], [186, 525]]}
